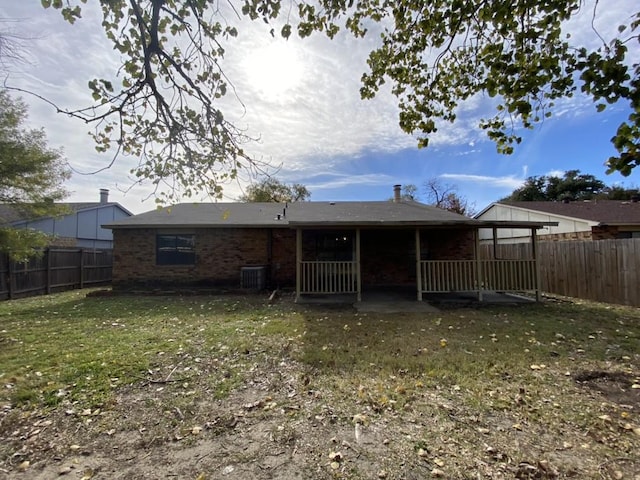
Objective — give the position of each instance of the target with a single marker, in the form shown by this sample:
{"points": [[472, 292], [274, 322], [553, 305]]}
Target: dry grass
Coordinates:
{"points": [[542, 391]]}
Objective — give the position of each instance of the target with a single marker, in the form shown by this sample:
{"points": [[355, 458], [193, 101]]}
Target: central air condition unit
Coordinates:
{"points": [[253, 277]]}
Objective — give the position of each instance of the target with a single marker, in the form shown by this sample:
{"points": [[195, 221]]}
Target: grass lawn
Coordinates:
{"points": [[211, 387]]}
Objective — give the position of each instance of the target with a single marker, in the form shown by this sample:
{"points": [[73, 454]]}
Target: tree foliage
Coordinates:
{"points": [[439, 53], [572, 185], [31, 177], [163, 107], [273, 190]]}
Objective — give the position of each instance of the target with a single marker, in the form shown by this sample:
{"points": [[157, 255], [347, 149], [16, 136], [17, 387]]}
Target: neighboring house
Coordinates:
{"points": [[580, 220], [80, 227], [314, 247]]}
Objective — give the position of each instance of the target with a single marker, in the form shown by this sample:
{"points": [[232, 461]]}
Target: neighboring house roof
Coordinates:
{"points": [[11, 215], [604, 212], [320, 214]]}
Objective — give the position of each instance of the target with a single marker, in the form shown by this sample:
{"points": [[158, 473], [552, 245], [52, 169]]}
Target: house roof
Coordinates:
{"points": [[605, 212], [318, 214], [9, 214]]}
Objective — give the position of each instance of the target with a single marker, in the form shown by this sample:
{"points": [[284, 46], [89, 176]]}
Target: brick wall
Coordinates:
{"points": [[283, 261], [220, 253], [448, 244], [388, 256], [605, 232]]}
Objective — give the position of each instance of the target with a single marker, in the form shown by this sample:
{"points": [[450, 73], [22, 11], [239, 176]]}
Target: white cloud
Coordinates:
{"points": [[336, 180], [508, 181], [301, 98]]}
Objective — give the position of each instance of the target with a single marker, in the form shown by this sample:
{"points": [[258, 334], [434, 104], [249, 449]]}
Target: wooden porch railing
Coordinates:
{"points": [[328, 277], [463, 275], [437, 276]]}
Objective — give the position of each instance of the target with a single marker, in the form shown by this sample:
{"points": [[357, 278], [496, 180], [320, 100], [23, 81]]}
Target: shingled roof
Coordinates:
{"points": [[606, 212], [306, 214], [292, 214]]}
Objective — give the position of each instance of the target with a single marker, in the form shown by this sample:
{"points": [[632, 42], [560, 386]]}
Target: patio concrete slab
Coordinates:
{"points": [[399, 306], [404, 301]]}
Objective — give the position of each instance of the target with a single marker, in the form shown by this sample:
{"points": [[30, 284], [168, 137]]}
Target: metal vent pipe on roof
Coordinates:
{"points": [[104, 195], [397, 193]]}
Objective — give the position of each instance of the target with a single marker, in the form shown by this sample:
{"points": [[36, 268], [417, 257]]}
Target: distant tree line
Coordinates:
{"points": [[572, 185]]}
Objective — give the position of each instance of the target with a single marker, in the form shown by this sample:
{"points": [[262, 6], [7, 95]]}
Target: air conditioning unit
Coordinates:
{"points": [[253, 278]]}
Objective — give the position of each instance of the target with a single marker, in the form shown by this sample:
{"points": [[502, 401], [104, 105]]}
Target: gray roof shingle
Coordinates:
{"points": [[297, 213]]}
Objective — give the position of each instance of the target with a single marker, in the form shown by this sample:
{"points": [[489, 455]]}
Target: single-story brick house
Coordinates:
{"points": [[572, 220], [314, 247]]}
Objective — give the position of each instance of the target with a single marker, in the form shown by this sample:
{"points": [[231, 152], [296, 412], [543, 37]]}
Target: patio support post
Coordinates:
{"points": [[418, 266], [476, 237], [536, 264], [298, 262], [358, 276]]}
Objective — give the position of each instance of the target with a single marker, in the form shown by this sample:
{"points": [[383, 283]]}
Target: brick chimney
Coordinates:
{"points": [[397, 193], [104, 195]]}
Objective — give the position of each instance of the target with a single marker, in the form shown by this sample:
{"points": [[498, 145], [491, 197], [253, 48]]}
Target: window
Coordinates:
{"points": [[175, 250]]}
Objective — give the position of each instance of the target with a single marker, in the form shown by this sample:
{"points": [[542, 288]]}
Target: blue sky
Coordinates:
{"points": [[301, 98]]}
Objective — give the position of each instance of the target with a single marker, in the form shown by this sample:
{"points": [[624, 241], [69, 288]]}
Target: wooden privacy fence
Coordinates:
{"points": [[55, 270], [600, 270]]}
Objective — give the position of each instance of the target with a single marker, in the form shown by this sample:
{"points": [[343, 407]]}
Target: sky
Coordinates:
{"points": [[301, 99]]}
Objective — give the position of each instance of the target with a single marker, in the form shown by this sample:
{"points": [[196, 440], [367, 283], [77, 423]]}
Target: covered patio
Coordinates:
{"points": [[426, 258]]}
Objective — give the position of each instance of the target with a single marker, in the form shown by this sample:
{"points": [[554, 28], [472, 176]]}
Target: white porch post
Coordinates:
{"points": [[358, 269], [298, 260], [418, 266], [534, 251], [476, 235]]}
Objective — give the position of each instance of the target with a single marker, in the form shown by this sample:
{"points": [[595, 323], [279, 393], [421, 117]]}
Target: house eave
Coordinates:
{"points": [[471, 223], [111, 226]]}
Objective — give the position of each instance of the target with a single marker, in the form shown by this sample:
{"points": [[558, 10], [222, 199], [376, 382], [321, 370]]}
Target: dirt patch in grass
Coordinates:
{"points": [[230, 387], [616, 387]]}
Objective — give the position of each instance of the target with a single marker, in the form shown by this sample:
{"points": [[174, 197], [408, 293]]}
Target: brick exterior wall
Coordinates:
{"points": [[220, 254], [448, 244], [604, 233], [387, 256], [283, 262]]}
